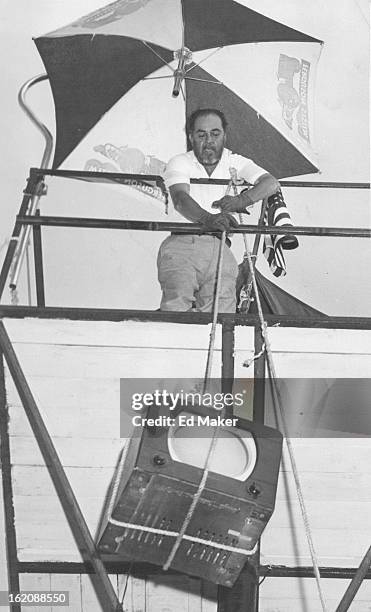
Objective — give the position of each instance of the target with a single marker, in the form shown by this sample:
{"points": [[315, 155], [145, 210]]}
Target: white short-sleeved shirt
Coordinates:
{"points": [[183, 167]]}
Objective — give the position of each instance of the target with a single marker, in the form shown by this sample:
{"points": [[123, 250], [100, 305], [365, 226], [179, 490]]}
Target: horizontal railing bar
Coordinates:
{"points": [[120, 176], [113, 177], [186, 228], [325, 184], [194, 318], [146, 569]]}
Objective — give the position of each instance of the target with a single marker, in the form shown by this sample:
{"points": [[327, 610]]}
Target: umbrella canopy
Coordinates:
{"points": [[218, 53]]}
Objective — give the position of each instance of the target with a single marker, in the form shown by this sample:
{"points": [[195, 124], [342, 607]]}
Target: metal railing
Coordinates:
{"points": [[29, 218]]}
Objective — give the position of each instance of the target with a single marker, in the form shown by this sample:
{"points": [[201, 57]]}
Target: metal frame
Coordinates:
{"points": [[245, 594], [103, 587], [161, 226], [7, 486], [356, 582], [246, 589], [228, 599], [24, 236], [28, 214]]}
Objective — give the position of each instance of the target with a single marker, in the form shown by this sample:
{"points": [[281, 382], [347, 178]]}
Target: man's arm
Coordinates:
{"points": [[265, 186], [191, 210], [185, 204]]}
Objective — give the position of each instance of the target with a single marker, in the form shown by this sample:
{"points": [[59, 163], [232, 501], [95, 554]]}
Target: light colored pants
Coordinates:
{"points": [[187, 274]]}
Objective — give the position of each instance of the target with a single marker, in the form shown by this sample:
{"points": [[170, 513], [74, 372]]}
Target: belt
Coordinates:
{"points": [[227, 241]]}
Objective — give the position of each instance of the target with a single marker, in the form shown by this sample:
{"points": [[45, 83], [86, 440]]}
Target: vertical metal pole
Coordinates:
{"points": [[29, 193], [9, 517], [228, 361], [38, 260], [259, 378], [258, 417], [244, 595], [103, 587]]}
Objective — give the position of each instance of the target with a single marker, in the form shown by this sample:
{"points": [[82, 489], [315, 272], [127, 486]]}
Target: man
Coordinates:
{"points": [[187, 263]]}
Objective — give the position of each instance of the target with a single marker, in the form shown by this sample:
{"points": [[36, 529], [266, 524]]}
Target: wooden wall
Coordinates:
{"points": [[74, 368]]}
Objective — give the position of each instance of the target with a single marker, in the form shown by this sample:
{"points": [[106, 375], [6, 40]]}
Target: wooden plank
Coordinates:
{"points": [[334, 548], [73, 452], [68, 422], [100, 394], [37, 582], [132, 592], [69, 407], [105, 333], [301, 595], [299, 605], [327, 486], [312, 365], [89, 600], [324, 514], [114, 362], [86, 482], [36, 511], [70, 583], [166, 593], [330, 454], [299, 340], [47, 529]]}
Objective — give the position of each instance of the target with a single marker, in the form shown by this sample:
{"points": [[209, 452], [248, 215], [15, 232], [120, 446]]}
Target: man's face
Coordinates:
{"points": [[208, 139]]}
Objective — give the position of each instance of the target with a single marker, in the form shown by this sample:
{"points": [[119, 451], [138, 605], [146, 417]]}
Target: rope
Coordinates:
{"points": [[117, 480], [273, 378], [210, 351], [212, 446], [234, 182]]}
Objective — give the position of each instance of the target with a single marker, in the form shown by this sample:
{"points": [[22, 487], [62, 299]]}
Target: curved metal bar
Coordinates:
{"points": [[45, 161], [31, 115]]}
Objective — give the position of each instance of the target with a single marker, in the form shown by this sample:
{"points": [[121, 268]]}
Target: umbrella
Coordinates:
{"points": [[132, 55]]}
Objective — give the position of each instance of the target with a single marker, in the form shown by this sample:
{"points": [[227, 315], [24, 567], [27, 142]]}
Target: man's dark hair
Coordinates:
{"points": [[202, 112]]}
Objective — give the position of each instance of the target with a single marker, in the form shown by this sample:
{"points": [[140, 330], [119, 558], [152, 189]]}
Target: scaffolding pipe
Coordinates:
{"points": [[356, 582], [191, 228], [45, 160]]}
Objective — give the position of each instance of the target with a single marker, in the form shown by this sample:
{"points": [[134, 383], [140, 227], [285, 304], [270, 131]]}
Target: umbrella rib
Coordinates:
{"points": [[153, 78], [204, 59], [157, 55], [203, 80]]}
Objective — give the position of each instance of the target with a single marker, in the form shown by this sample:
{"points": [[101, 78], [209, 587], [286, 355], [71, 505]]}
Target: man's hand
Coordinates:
{"points": [[265, 186], [229, 204], [220, 222]]}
